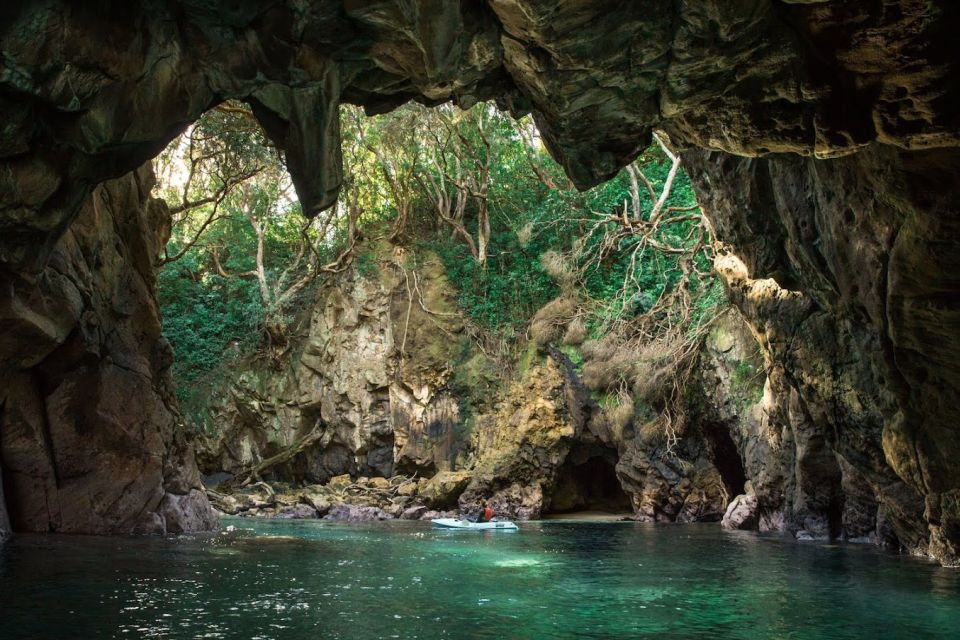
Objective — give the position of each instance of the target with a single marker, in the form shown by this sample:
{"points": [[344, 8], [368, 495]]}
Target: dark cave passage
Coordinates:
{"points": [[588, 482], [726, 457]]}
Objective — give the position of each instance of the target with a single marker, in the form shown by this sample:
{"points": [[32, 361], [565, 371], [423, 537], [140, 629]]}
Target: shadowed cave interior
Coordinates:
{"points": [[587, 481], [821, 141]]}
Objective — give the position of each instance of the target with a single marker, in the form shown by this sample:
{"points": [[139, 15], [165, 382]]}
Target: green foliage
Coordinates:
{"points": [[219, 299], [505, 293], [206, 318], [576, 358], [240, 262], [366, 265], [746, 384]]}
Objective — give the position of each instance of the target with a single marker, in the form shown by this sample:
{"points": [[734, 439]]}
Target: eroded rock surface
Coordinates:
{"points": [[369, 372], [5, 529], [89, 433], [741, 513], [90, 94], [847, 271], [849, 276]]}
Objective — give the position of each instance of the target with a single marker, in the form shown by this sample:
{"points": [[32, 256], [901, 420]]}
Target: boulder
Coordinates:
{"points": [[443, 489], [378, 483], [742, 513], [395, 509], [187, 513], [317, 502], [224, 503], [295, 512], [355, 513], [340, 482], [413, 513], [408, 488], [433, 514]]}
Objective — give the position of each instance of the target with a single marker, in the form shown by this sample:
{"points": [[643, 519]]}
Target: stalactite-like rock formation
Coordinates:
{"points": [[860, 317]]}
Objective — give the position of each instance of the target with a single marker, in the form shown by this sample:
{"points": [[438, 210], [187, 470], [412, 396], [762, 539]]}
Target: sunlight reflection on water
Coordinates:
{"points": [[292, 580]]}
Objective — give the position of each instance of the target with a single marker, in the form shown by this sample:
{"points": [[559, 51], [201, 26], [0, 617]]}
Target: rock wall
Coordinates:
{"points": [[381, 386], [848, 263], [5, 529], [90, 94], [520, 445], [89, 433], [847, 271], [547, 423], [369, 377]]}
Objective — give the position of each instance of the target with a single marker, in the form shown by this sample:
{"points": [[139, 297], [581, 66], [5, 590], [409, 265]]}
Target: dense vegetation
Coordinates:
{"points": [[612, 270]]}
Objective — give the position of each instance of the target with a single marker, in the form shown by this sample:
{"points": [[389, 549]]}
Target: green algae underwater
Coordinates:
{"points": [[557, 579]]}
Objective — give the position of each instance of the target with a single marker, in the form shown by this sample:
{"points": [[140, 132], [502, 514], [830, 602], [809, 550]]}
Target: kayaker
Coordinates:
{"points": [[487, 514]]}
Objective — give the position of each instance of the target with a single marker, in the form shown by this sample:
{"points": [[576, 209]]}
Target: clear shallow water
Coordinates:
{"points": [[308, 579]]}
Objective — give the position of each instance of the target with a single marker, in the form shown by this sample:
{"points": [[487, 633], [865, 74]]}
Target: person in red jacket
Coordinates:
{"points": [[487, 514]]}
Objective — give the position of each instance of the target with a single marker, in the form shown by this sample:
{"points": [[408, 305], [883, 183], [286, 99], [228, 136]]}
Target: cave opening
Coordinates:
{"points": [[587, 482], [726, 458]]}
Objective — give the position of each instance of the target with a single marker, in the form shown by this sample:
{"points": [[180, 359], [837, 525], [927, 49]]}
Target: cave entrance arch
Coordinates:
{"points": [[587, 482]]}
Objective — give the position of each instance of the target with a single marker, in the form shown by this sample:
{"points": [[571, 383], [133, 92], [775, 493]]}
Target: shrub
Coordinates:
{"points": [[549, 323]]}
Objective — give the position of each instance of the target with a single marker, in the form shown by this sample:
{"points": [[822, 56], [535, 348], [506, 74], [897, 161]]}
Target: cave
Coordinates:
{"points": [[725, 457], [827, 164], [587, 482]]}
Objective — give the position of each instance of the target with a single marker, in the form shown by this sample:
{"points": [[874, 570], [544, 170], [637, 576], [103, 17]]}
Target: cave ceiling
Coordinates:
{"points": [[91, 90]]}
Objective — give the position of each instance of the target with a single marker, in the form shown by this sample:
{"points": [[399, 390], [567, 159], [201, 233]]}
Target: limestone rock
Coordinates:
{"points": [[296, 512], [433, 514], [354, 513], [843, 261], [379, 483], [80, 340], [413, 513], [742, 513], [747, 79], [443, 489], [408, 489], [832, 258], [377, 412], [320, 504], [340, 482], [187, 513], [523, 445], [5, 529]]}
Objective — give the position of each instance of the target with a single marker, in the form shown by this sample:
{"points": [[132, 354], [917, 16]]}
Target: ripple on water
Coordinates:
{"points": [[554, 580]]}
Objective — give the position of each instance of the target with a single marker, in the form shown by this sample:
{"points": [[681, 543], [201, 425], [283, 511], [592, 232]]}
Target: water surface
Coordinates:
{"points": [[310, 579]]}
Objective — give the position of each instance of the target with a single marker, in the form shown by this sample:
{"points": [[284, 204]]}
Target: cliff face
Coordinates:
{"points": [[89, 433], [367, 383], [847, 270], [384, 380], [849, 277]]}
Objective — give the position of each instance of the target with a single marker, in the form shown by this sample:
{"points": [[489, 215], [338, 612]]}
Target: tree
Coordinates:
{"points": [[458, 172], [240, 255], [198, 171]]}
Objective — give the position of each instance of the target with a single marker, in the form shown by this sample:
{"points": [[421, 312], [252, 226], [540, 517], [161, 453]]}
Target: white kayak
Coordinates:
{"points": [[456, 523]]}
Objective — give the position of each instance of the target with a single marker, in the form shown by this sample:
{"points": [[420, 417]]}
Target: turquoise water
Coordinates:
{"points": [[309, 579]]}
